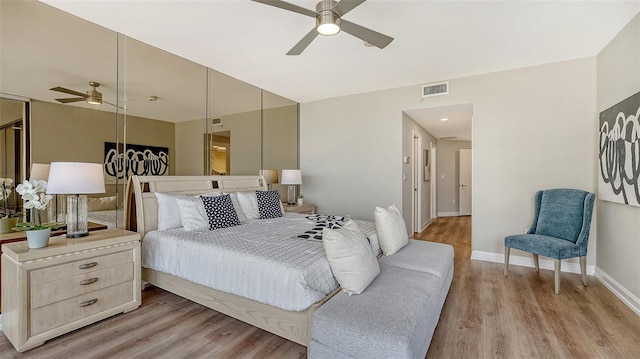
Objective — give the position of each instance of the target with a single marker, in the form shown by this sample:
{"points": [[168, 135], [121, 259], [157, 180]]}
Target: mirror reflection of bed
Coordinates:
{"points": [[102, 210]]}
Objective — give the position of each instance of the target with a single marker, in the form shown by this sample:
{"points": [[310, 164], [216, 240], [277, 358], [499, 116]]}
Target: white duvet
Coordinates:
{"points": [[260, 260]]}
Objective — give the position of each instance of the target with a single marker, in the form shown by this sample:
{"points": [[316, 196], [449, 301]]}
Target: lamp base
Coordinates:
{"points": [[77, 216], [291, 195]]}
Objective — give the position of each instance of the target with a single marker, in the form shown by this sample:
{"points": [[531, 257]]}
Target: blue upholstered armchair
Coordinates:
{"points": [[560, 230]]}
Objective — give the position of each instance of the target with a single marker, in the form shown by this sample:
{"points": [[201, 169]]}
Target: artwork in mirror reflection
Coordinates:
{"points": [[122, 163]]}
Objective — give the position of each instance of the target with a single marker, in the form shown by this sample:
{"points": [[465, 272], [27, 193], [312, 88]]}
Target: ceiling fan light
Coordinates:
{"points": [[328, 29], [327, 21], [94, 98]]}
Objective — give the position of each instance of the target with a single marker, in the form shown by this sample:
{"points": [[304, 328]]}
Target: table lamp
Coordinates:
{"points": [[292, 178], [77, 179]]}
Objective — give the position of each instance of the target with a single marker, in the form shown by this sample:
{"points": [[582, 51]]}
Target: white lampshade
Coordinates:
{"points": [[291, 177], [39, 172], [270, 176], [75, 178]]}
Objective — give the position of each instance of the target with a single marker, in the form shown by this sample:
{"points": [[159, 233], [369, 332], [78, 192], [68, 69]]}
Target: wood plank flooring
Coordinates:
{"points": [[486, 315]]}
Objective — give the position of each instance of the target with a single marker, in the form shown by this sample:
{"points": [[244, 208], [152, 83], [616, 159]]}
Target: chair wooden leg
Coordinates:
{"points": [[557, 275], [583, 269], [535, 262], [506, 259]]}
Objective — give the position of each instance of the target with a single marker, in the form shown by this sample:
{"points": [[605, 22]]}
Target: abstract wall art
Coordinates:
{"points": [[619, 152], [122, 162]]}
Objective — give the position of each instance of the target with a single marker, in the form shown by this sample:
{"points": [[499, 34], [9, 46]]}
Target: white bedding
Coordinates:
{"points": [[260, 260]]}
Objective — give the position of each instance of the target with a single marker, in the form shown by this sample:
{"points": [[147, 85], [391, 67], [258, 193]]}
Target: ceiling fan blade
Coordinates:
{"points": [[70, 99], [70, 92], [373, 37], [302, 44], [344, 6], [288, 6]]}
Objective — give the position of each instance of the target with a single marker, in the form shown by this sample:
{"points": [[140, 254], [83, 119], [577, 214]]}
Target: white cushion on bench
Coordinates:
{"points": [[430, 257]]}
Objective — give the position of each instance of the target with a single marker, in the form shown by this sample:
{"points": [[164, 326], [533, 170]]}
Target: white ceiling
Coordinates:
{"points": [[434, 40]]}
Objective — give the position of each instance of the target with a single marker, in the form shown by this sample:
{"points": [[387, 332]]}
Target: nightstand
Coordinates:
{"points": [[71, 283], [306, 208]]}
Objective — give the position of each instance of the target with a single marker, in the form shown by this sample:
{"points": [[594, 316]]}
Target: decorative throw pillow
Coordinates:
{"points": [[392, 232], [220, 212], [268, 204], [236, 205], [192, 214], [249, 204], [168, 212], [350, 256]]}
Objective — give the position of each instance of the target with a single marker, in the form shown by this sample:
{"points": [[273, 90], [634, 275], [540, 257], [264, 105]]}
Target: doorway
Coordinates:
{"points": [[464, 182], [416, 186]]}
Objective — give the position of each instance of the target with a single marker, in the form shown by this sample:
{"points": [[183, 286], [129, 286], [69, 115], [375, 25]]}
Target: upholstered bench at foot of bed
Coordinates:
{"points": [[396, 316]]}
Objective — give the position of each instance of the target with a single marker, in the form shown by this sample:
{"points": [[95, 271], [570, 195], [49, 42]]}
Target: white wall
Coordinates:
{"points": [[618, 76], [533, 129]]}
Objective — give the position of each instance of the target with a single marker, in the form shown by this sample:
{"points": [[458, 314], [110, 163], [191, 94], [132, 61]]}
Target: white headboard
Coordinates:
{"points": [[142, 207]]}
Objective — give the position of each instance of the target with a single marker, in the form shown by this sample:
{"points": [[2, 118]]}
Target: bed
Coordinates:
{"points": [[101, 210], [291, 321]]}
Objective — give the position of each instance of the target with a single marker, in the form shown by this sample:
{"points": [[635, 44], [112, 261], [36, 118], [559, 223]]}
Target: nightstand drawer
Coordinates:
{"points": [[79, 267], [60, 313], [55, 291]]}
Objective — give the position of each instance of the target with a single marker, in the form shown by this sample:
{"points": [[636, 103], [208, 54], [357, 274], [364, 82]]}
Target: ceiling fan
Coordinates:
{"points": [[329, 22], [92, 96]]}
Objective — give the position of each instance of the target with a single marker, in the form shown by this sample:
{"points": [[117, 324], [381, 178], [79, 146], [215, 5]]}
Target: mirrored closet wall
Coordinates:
{"points": [[160, 113]]}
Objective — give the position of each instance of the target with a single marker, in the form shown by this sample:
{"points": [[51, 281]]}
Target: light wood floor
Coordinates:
{"points": [[485, 316]]}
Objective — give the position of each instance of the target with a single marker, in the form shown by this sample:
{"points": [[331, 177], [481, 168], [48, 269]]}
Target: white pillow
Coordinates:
{"points": [[249, 204], [350, 256], [192, 214], [168, 212], [236, 206], [392, 232]]}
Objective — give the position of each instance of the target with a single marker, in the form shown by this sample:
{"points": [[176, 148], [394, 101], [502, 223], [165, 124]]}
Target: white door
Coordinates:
{"points": [[465, 182]]}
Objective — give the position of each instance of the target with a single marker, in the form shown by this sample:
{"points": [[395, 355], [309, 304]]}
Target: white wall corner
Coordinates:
{"points": [[527, 261], [618, 290], [448, 214]]}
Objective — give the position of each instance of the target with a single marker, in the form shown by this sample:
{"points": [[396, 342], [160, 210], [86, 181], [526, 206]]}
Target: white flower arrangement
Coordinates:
{"points": [[5, 192], [34, 196]]}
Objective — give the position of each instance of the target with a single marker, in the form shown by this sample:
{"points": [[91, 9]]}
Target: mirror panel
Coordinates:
{"points": [[234, 113]]}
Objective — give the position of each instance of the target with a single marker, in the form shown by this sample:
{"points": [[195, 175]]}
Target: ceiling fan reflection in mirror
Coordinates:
{"points": [[329, 22], [92, 97]]}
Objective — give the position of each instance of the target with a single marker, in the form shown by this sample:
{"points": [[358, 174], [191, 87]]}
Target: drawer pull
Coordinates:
{"points": [[88, 265], [88, 302], [89, 281]]}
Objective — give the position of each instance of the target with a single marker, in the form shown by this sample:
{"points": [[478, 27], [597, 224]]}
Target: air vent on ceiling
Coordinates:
{"points": [[216, 121], [441, 88]]}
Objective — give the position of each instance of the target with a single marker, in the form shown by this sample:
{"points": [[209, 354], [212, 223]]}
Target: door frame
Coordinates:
{"points": [[416, 178]]}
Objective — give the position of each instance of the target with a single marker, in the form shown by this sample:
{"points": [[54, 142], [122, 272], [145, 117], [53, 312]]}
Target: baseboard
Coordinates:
{"points": [[448, 214], [426, 225], [527, 261], [618, 290]]}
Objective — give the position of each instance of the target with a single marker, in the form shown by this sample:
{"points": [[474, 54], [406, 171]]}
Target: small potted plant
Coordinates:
{"points": [[35, 198], [300, 199], [8, 220]]}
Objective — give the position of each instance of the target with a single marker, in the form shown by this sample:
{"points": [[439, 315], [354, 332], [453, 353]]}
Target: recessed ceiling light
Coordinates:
{"points": [[444, 119]]}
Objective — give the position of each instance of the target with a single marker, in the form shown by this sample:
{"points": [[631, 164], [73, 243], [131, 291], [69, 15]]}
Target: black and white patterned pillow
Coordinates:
{"points": [[322, 222], [269, 204], [220, 212]]}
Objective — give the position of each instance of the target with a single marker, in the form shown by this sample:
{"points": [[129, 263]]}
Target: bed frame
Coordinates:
{"points": [[142, 216]]}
